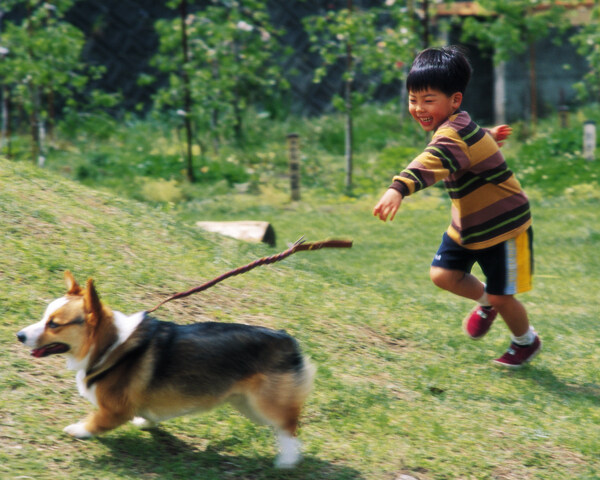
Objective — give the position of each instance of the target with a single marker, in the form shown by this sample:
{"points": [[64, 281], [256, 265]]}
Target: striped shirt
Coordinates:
{"points": [[488, 204]]}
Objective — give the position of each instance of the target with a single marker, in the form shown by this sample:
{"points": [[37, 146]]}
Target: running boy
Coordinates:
{"points": [[491, 220]]}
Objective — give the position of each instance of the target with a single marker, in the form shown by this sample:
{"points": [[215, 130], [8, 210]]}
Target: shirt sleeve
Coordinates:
{"points": [[445, 155]]}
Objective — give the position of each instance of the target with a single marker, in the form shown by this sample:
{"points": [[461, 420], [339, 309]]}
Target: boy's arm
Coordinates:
{"points": [[443, 156], [388, 205]]}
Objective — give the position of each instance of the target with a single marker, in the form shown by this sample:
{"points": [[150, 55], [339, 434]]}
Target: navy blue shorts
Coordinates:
{"points": [[508, 266]]}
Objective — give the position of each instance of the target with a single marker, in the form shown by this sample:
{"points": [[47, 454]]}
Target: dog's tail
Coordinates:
{"points": [[305, 377]]}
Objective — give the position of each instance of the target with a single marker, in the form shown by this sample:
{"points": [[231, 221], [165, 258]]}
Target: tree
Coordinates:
{"points": [[41, 66], [225, 64], [509, 28], [372, 43], [588, 45]]}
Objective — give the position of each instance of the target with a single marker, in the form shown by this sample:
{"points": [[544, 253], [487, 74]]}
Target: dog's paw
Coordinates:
{"points": [[77, 430], [287, 461], [143, 423], [289, 451]]}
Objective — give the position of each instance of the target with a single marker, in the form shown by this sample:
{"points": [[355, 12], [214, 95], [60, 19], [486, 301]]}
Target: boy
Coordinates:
{"points": [[491, 220]]}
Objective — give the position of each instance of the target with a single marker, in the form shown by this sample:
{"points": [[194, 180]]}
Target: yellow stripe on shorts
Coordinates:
{"points": [[518, 268]]}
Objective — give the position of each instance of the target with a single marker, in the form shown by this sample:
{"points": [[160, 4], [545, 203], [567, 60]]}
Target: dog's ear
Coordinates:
{"points": [[72, 286], [91, 303]]}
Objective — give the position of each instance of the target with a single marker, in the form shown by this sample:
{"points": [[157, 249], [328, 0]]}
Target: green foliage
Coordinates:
{"points": [[103, 152], [552, 160], [374, 42], [122, 156], [42, 67], [509, 28], [164, 191], [43, 51], [230, 66], [587, 41]]}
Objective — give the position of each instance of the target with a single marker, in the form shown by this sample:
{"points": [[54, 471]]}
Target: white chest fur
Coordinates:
{"points": [[125, 327], [84, 391]]}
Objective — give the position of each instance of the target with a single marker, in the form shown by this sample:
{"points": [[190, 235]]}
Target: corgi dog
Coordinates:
{"points": [[136, 368]]}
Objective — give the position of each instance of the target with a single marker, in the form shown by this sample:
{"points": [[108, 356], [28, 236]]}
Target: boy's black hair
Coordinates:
{"points": [[446, 69]]}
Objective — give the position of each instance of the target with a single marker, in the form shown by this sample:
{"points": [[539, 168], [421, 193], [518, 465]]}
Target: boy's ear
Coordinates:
{"points": [[457, 98]]}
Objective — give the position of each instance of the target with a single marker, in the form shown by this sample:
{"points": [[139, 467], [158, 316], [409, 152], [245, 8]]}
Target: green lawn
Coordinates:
{"points": [[400, 389]]}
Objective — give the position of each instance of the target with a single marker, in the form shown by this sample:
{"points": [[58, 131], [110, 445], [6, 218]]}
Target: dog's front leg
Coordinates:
{"points": [[78, 430], [97, 423]]}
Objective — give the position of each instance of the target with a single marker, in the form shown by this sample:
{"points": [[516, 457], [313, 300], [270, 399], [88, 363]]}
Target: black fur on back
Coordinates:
{"points": [[209, 357]]}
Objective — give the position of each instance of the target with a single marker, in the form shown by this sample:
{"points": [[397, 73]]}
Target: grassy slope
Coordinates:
{"points": [[399, 389]]}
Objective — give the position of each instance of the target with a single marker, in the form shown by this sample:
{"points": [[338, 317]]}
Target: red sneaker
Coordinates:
{"points": [[479, 321], [517, 355]]}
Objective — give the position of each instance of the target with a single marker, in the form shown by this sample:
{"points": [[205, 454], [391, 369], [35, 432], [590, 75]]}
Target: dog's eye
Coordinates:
{"points": [[52, 324]]}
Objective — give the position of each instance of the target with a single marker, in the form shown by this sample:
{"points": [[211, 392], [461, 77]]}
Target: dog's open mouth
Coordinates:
{"points": [[50, 349]]}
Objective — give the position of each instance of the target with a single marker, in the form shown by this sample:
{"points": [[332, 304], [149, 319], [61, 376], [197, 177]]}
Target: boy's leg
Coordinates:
{"points": [[525, 342], [450, 270], [480, 319], [509, 268], [512, 312], [458, 282]]}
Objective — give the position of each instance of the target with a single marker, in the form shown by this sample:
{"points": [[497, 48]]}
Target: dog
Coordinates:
{"points": [[137, 368]]}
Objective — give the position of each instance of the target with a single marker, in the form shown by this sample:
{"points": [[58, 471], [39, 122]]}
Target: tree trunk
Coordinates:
{"points": [[500, 93], [349, 135], [36, 126], [533, 84], [214, 118], [425, 23], [348, 107], [187, 95], [6, 133], [51, 116], [237, 113]]}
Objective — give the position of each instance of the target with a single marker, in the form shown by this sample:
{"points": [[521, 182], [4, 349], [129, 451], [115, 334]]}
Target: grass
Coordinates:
{"points": [[400, 389]]}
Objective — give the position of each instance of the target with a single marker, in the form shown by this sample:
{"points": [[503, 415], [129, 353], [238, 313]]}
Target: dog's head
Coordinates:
{"points": [[69, 324]]}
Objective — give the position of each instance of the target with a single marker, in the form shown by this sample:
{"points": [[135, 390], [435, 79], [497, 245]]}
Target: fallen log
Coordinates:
{"points": [[248, 231]]}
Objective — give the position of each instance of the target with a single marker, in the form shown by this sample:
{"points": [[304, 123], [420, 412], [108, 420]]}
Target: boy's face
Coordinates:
{"points": [[432, 107]]}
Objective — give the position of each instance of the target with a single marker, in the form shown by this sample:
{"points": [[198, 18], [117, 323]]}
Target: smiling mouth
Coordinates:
{"points": [[51, 349], [426, 119]]}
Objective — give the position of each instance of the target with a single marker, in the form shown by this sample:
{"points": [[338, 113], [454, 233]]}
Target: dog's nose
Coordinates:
{"points": [[21, 337]]}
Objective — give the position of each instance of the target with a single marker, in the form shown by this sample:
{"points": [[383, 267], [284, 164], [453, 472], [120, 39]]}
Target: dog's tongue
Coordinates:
{"points": [[49, 350]]}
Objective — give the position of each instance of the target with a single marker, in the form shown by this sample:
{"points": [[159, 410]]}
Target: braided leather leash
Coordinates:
{"points": [[299, 246]]}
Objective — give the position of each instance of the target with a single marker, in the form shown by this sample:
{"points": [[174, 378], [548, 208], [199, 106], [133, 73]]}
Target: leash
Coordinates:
{"points": [[299, 246]]}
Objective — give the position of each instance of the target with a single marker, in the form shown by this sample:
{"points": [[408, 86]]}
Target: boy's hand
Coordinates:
{"points": [[500, 133], [388, 205]]}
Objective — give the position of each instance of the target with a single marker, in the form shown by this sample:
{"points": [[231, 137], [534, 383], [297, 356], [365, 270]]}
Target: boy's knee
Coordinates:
{"points": [[499, 301], [442, 278]]}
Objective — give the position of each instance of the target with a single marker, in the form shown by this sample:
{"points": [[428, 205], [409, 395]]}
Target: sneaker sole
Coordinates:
{"points": [[516, 367]]}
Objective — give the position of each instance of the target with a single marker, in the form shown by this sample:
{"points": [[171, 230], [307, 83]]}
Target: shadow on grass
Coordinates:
{"points": [[164, 456], [547, 379]]}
